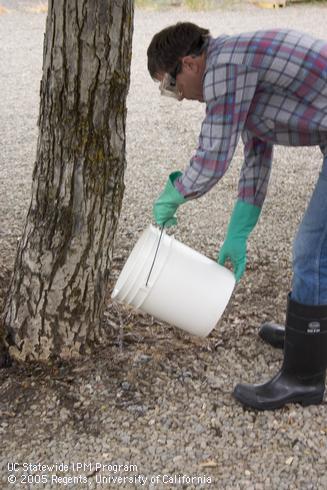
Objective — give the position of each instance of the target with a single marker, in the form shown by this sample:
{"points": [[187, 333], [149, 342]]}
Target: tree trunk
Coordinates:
{"points": [[57, 293]]}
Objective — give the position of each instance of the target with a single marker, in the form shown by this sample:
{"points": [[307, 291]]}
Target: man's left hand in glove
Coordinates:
{"points": [[243, 220]]}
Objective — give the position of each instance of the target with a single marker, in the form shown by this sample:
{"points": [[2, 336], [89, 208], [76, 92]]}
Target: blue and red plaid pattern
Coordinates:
{"points": [[269, 87]]}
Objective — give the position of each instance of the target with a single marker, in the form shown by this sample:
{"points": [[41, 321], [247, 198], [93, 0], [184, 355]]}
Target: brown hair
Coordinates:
{"points": [[174, 42]]}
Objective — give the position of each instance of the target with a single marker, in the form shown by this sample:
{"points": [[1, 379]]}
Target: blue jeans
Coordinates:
{"points": [[309, 283]]}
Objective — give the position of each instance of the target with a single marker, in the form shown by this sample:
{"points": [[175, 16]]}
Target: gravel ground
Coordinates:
{"points": [[155, 397]]}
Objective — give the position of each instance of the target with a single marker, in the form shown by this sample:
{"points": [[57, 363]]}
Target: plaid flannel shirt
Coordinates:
{"points": [[270, 87]]}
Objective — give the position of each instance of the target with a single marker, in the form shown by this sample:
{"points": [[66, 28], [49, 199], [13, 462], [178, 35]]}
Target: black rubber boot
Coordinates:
{"points": [[302, 376], [273, 334]]}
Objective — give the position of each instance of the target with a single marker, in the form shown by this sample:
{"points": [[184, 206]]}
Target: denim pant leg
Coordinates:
{"points": [[309, 284]]}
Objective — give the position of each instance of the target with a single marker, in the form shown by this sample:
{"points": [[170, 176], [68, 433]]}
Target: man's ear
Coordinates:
{"points": [[190, 63]]}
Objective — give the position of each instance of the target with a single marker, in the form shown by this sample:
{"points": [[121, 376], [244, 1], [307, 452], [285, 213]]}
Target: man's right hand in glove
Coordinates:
{"points": [[165, 206]]}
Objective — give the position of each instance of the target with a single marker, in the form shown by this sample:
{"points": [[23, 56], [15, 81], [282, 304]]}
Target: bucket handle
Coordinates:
{"points": [[155, 256]]}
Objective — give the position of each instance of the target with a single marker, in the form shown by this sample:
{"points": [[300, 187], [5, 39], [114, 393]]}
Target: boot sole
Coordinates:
{"points": [[312, 400]]}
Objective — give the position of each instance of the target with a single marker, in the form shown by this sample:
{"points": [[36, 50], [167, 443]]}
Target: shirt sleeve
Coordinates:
{"points": [[228, 92], [255, 172]]}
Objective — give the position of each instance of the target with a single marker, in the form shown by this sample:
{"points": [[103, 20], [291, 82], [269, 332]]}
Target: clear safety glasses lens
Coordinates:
{"points": [[169, 88]]}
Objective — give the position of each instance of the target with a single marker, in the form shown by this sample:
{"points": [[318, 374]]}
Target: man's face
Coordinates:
{"points": [[189, 79]]}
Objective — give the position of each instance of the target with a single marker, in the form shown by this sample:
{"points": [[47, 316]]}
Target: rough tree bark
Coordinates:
{"points": [[57, 292]]}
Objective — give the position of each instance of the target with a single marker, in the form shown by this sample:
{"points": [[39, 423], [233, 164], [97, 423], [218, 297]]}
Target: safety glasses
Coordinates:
{"points": [[168, 86]]}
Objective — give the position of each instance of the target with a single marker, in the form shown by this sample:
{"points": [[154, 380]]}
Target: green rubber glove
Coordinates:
{"points": [[165, 206], [243, 220]]}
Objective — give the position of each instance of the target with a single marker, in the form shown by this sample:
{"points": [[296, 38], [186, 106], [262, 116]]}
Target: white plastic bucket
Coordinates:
{"points": [[174, 283]]}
